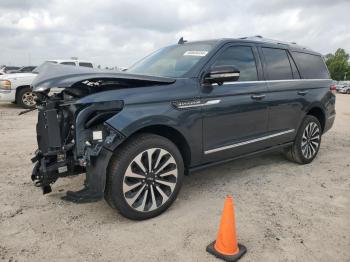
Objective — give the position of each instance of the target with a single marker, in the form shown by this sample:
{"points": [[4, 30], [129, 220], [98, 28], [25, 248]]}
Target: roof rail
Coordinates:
{"points": [[263, 39], [268, 40], [251, 37]]}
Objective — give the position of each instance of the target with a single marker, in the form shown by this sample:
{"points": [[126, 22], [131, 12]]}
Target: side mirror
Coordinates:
{"points": [[221, 74]]}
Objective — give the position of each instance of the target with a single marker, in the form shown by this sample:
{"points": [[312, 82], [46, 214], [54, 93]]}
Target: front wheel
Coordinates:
{"points": [[307, 141], [144, 177], [26, 98]]}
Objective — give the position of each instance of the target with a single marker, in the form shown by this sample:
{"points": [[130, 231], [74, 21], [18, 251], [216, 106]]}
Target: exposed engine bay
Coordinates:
{"points": [[72, 135]]}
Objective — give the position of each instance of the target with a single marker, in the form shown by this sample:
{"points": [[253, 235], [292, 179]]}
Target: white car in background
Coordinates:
{"points": [[344, 89], [16, 87]]}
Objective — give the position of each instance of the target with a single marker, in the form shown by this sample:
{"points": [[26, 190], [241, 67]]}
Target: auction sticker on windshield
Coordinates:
{"points": [[196, 53]]}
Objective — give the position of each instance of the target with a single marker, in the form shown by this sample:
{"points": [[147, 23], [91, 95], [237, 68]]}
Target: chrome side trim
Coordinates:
{"points": [[332, 116], [224, 74], [248, 142], [270, 81], [207, 103]]}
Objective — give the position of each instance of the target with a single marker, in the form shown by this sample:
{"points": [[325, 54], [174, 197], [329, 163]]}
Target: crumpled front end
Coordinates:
{"points": [[73, 139], [72, 133]]}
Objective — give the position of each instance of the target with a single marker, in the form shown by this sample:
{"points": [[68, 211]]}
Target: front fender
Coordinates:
{"points": [[135, 117]]}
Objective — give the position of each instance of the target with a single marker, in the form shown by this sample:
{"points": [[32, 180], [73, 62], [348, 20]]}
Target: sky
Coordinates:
{"points": [[118, 33]]}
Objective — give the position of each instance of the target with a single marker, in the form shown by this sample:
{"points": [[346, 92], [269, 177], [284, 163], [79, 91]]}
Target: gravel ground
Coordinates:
{"points": [[284, 211]]}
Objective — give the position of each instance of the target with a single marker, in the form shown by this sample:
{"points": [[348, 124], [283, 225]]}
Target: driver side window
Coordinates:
{"points": [[242, 58]]}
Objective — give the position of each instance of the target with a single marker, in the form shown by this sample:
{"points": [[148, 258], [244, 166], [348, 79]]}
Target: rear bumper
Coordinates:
{"points": [[8, 95], [329, 123]]}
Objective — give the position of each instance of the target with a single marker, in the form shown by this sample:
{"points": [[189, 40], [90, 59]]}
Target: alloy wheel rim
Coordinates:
{"points": [[150, 180], [28, 99], [310, 141]]}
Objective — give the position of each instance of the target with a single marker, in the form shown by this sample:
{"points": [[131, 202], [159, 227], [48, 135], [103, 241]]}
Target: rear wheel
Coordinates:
{"points": [[307, 141], [26, 98], [144, 177]]}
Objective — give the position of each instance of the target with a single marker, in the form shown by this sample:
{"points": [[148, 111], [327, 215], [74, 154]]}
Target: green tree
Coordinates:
{"points": [[338, 64]]}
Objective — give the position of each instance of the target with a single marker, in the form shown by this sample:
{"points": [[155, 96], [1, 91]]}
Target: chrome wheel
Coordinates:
{"points": [[28, 99], [150, 180], [310, 141]]}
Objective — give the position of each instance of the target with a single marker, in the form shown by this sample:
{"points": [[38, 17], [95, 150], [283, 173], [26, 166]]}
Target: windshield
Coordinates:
{"points": [[172, 61]]}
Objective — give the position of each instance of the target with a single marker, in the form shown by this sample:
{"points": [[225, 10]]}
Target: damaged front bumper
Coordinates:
{"points": [[66, 146]]}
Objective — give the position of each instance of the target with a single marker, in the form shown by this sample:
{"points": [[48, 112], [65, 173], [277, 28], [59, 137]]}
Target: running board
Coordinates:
{"points": [[253, 154]]}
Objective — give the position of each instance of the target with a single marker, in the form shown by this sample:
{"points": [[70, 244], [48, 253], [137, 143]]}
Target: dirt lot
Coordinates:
{"points": [[284, 211]]}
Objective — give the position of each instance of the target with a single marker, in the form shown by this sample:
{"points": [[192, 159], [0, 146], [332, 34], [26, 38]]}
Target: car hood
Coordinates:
{"points": [[17, 75], [65, 76]]}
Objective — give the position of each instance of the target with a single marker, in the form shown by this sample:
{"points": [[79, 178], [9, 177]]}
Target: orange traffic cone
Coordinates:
{"points": [[226, 246]]}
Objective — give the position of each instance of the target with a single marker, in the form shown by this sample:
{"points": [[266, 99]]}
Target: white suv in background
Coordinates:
{"points": [[16, 87]]}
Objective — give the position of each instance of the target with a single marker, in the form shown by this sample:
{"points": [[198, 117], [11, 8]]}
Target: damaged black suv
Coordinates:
{"points": [[182, 108]]}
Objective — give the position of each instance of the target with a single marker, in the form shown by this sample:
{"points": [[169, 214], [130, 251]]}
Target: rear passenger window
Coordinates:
{"points": [[277, 63], [68, 63], [85, 64], [242, 58], [311, 66]]}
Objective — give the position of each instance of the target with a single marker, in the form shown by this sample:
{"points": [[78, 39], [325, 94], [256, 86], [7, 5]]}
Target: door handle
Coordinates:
{"points": [[302, 93], [257, 97]]}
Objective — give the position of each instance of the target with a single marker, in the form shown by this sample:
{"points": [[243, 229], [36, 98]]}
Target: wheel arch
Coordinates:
{"points": [[319, 113], [170, 133], [18, 89]]}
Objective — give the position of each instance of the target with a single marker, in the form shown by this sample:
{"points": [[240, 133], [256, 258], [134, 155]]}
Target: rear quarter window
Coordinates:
{"points": [[311, 66]]}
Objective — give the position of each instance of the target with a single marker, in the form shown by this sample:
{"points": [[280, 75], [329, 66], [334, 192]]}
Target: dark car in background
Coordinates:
{"points": [[183, 108], [8, 69]]}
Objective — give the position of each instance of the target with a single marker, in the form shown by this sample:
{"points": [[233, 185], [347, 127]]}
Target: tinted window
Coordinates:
{"points": [[277, 63], [242, 58], [311, 66], [85, 64], [68, 63]]}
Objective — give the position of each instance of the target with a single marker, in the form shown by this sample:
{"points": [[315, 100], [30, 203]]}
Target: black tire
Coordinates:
{"points": [[297, 152], [348, 91], [23, 100], [124, 160]]}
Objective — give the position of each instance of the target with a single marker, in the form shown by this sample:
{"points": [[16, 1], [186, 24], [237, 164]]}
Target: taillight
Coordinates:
{"points": [[333, 88]]}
